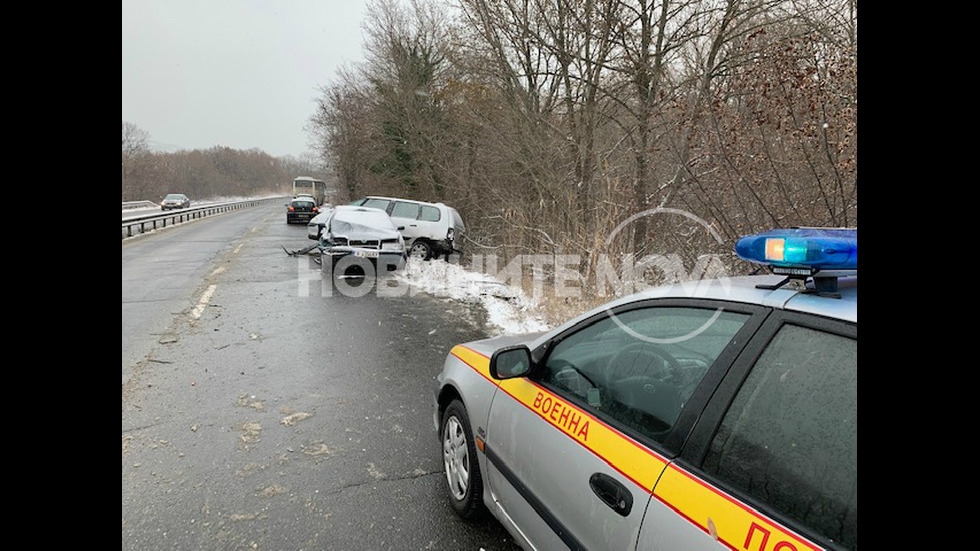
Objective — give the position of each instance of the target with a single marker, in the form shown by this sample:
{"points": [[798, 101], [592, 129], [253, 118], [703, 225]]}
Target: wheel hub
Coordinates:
{"points": [[456, 458]]}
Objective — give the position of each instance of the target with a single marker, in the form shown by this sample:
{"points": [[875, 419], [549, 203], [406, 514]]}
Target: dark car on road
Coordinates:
{"points": [[301, 209], [175, 201]]}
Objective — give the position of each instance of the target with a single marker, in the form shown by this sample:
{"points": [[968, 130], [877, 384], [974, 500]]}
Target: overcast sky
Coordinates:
{"points": [[237, 73]]}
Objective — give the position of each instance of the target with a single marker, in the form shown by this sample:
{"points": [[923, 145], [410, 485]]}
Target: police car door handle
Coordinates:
{"points": [[612, 493]]}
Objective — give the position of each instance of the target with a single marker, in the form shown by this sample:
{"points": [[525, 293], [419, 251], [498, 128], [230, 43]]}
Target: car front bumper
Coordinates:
{"points": [[390, 260]]}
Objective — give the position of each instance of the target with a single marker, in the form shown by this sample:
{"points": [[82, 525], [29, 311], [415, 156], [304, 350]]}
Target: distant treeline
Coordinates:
{"points": [[548, 123], [204, 174]]}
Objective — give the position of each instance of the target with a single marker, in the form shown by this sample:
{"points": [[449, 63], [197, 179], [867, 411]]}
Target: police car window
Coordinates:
{"points": [[640, 367], [429, 214], [405, 210], [789, 438]]}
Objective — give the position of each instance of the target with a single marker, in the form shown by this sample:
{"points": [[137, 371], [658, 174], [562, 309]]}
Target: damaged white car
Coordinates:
{"points": [[358, 241]]}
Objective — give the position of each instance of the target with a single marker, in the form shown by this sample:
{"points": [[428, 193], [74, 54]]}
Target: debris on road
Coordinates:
{"points": [[290, 420], [298, 252], [319, 450], [251, 433]]}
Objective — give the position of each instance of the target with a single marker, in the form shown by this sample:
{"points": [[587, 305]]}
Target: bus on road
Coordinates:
{"points": [[305, 185]]}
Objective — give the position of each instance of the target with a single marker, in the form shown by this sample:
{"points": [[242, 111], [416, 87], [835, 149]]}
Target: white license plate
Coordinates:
{"points": [[366, 254]]}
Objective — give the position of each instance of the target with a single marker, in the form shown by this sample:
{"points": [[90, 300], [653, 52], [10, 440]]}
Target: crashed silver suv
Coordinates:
{"points": [[430, 229]]}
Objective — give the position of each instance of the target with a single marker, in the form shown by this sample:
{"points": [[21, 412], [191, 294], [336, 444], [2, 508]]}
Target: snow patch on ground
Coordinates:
{"points": [[508, 308]]}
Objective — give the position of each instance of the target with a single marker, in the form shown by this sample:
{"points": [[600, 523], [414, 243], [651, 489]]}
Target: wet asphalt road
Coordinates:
{"points": [[276, 420]]}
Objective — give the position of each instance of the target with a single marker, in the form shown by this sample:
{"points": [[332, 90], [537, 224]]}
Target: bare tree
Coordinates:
{"points": [[216, 172], [341, 125], [548, 122], [136, 163]]}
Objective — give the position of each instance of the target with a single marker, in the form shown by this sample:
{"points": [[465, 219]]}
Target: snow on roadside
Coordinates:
{"points": [[508, 308]]}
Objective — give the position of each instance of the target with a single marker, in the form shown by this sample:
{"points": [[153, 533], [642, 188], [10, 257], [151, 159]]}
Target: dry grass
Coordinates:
{"points": [[554, 307]]}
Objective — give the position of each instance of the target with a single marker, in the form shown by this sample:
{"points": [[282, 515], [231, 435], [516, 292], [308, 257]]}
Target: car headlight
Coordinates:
{"points": [[391, 245]]}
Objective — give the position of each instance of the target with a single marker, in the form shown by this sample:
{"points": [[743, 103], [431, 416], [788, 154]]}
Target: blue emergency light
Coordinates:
{"points": [[799, 253], [810, 249]]}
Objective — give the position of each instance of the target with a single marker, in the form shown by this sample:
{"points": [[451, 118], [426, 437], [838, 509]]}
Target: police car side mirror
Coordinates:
{"points": [[510, 362]]}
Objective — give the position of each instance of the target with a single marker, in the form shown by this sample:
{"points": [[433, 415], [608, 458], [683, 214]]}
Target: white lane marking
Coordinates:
{"points": [[218, 271], [238, 248], [201, 304]]}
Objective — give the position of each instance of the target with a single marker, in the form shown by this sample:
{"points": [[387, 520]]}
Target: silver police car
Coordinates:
{"points": [[670, 420]]}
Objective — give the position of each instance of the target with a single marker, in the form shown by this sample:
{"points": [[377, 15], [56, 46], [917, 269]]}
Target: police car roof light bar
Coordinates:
{"points": [[803, 253]]}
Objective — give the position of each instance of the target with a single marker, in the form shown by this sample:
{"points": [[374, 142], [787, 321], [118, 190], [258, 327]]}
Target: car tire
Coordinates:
{"points": [[464, 482], [420, 249]]}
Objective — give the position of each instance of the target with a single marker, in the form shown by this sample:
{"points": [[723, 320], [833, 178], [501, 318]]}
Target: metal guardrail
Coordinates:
{"points": [[148, 222], [138, 204]]}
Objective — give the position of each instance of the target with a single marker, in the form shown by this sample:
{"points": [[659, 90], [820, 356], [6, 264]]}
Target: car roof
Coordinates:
{"points": [[403, 199], [744, 289], [843, 308]]}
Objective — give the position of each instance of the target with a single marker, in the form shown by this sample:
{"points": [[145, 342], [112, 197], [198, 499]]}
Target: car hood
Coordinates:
{"points": [[355, 231]]}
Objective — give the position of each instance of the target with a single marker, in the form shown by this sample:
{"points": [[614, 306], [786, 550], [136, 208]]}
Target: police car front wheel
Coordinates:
{"points": [[465, 483]]}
